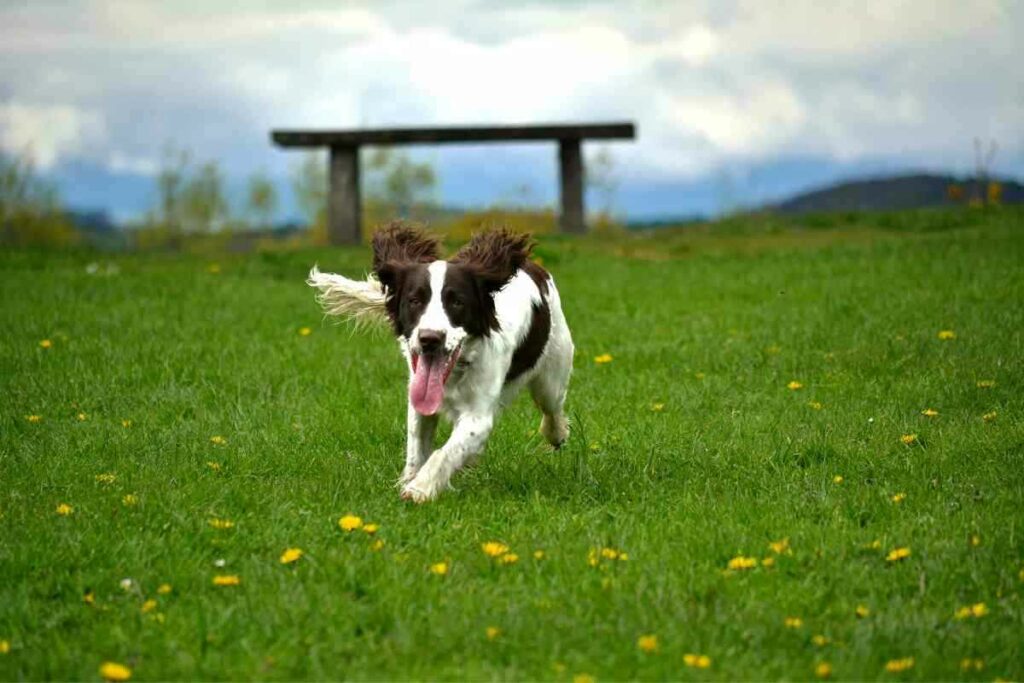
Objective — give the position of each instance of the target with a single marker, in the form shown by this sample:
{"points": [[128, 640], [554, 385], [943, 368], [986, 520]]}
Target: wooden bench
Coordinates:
{"points": [[343, 203]]}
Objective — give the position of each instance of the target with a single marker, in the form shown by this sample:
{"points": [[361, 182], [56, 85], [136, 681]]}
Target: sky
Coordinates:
{"points": [[736, 103]]}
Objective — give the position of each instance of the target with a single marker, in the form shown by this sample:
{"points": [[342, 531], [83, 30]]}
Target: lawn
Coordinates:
{"points": [[763, 408]]}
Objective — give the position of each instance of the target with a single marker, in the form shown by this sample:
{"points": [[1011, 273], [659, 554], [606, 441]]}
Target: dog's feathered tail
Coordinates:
{"points": [[358, 301]]}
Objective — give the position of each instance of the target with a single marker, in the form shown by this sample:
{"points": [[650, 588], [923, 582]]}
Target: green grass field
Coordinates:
{"points": [[689, 449]]}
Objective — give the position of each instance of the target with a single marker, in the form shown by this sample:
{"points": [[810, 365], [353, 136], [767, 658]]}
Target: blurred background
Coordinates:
{"points": [[142, 125]]}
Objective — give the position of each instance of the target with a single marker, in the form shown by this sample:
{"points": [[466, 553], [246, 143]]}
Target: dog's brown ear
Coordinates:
{"points": [[495, 255], [399, 244]]}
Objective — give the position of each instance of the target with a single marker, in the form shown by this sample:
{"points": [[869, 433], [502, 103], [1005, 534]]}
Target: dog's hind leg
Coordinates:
{"points": [[419, 443], [548, 389]]}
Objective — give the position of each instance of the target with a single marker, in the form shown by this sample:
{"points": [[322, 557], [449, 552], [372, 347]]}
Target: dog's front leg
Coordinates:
{"points": [[469, 436], [418, 444]]}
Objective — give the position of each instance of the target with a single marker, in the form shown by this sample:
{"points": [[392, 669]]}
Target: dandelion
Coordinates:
{"points": [[967, 664], [105, 478], [218, 440], [538, 554], [603, 358], [977, 611], [837, 479], [897, 554], [986, 383], [377, 545], [5, 647], [780, 547], [794, 385], [740, 562], [768, 561], [648, 643], [874, 545], [492, 632], [291, 555], [595, 447], [609, 553], [814, 405], [82, 417], [89, 597], [112, 671], [946, 335], [494, 549], [64, 509], [930, 412], [226, 580], [213, 268], [908, 439], [221, 523], [439, 568], [794, 622], [371, 528], [988, 417], [975, 540], [695, 661], [148, 606], [823, 670], [164, 589], [508, 558], [129, 500], [215, 466], [899, 498], [583, 678], [895, 666], [350, 523], [699, 375], [305, 331], [45, 343], [819, 640], [34, 418], [126, 423], [657, 407], [862, 612]]}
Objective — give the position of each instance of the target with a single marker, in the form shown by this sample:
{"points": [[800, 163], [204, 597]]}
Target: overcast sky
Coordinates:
{"points": [[749, 98]]}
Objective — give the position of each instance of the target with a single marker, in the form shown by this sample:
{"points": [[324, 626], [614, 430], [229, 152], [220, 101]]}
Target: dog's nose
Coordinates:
{"points": [[431, 341]]}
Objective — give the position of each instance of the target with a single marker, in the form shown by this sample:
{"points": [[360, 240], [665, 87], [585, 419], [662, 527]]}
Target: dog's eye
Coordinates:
{"points": [[455, 302], [414, 300]]}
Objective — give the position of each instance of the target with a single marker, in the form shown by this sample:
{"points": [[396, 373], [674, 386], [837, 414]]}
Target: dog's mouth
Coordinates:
{"points": [[430, 373]]}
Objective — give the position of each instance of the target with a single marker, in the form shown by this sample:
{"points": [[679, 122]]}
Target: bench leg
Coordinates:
{"points": [[570, 167], [344, 213]]}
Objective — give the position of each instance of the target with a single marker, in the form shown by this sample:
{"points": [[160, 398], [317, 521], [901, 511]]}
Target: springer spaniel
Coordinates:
{"points": [[474, 329]]}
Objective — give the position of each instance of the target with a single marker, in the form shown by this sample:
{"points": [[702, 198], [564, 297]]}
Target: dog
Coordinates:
{"points": [[474, 329]]}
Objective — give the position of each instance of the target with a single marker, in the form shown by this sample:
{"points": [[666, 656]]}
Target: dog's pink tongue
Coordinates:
{"points": [[426, 391]]}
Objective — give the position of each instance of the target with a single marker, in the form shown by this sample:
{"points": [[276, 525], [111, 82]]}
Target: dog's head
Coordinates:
{"points": [[436, 305]]}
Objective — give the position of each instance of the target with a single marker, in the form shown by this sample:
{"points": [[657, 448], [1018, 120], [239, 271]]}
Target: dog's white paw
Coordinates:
{"points": [[408, 474], [422, 489]]}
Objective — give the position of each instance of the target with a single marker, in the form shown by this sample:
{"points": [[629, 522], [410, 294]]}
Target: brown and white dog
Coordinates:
{"points": [[475, 329]]}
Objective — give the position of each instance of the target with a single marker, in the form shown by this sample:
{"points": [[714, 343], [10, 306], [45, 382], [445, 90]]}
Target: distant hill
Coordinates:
{"points": [[893, 194]]}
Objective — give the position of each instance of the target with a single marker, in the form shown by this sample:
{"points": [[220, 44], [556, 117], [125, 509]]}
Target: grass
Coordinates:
{"points": [[712, 326]]}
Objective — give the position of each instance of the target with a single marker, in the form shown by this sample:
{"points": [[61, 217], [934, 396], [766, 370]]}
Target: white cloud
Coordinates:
{"points": [[46, 132]]}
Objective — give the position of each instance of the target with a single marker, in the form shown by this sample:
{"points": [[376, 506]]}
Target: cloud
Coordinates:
{"points": [[46, 133]]}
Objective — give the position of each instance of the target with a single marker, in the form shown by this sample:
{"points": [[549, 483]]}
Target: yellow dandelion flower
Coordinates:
{"points": [[538, 554], [978, 610], [213, 268], [492, 632], [218, 440], [34, 418], [657, 407], [148, 606], [82, 417], [164, 589], [895, 666], [609, 553], [226, 580], [215, 466], [986, 383], [815, 405], [793, 622], [623, 557], [837, 479], [377, 545], [862, 612], [126, 423], [740, 562], [874, 545], [583, 678], [64, 509], [508, 558], [647, 643], [768, 561], [371, 528], [89, 598], [593, 559], [908, 439], [780, 547], [291, 555], [129, 500], [105, 478], [823, 670], [819, 640], [221, 523], [988, 417], [45, 343], [968, 664], [695, 661], [946, 335], [962, 613], [794, 385], [899, 497], [603, 358], [439, 568], [5, 647], [975, 540], [305, 331], [112, 671], [350, 523], [494, 549], [930, 412], [897, 554]]}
